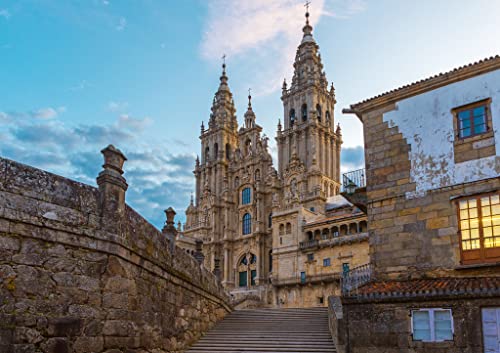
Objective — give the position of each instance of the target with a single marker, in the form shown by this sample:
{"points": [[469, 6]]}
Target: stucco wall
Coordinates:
{"points": [[74, 280], [426, 122]]}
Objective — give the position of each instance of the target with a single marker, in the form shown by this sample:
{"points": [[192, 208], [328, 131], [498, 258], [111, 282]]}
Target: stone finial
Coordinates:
{"points": [[112, 187], [169, 229], [170, 213], [198, 255]]}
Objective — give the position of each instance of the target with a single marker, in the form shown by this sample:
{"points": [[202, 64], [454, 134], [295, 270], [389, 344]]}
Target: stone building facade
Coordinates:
{"points": [[432, 195], [258, 224]]}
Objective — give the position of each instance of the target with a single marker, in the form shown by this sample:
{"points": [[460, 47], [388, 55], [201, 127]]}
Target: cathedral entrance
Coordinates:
{"points": [[247, 270]]}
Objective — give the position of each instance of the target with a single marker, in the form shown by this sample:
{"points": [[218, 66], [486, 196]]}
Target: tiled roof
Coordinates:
{"points": [[457, 74], [429, 288], [337, 217]]}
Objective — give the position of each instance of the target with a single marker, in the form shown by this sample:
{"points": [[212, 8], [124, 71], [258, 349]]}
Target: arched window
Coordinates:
{"points": [[288, 228], [304, 112], [216, 150], [246, 224], [253, 259], [270, 220], [245, 196], [248, 147], [335, 231], [325, 233], [363, 226], [207, 154], [245, 268], [319, 114], [292, 117], [282, 229], [228, 151], [310, 236], [257, 174], [327, 117]]}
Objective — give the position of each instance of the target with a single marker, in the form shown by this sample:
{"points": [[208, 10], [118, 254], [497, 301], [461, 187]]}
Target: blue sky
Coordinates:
{"points": [[78, 75]]}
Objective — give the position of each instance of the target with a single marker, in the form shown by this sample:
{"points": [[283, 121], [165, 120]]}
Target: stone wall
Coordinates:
{"points": [[362, 326], [412, 233], [80, 271]]}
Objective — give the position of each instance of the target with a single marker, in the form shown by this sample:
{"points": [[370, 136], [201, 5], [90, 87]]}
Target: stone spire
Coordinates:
{"points": [[249, 115], [223, 110]]}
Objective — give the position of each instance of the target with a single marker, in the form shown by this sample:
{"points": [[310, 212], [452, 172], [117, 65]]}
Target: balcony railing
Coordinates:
{"points": [[355, 278], [308, 244], [355, 178], [322, 277]]}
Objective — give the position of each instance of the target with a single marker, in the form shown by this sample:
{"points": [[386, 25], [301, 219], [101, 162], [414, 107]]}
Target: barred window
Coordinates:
{"points": [[247, 224], [245, 196], [480, 228]]}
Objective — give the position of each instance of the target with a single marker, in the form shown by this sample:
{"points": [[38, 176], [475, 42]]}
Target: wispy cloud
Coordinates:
{"points": [[41, 113], [113, 106], [80, 86], [5, 13], [264, 33], [122, 23]]}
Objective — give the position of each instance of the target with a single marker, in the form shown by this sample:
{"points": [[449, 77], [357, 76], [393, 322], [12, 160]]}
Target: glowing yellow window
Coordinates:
{"points": [[479, 220]]}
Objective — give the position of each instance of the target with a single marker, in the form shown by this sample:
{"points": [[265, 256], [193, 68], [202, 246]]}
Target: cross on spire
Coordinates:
{"points": [[224, 59], [306, 5]]}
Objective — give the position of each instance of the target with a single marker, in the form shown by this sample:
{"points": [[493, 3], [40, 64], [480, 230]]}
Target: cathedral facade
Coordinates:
{"points": [[261, 227]]}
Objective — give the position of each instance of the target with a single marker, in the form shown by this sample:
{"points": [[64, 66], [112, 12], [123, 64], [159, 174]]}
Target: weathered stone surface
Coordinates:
{"points": [[68, 285]]}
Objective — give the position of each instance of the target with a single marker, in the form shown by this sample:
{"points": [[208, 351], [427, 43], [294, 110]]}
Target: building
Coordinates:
{"points": [[282, 234], [433, 207]]}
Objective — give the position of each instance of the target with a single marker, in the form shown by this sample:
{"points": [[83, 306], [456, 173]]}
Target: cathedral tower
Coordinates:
{"points": [[308, 145]]}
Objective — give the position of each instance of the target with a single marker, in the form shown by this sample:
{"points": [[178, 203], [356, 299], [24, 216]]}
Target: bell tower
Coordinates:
{"points": [[308, 144]]}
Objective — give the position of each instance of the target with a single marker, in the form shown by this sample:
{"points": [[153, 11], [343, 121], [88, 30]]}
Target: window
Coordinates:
{"points": [[282, 229], [245, 196], [432, 325], [270, 220], [326, 262], [310, 257], [321, 300], [318, 112], [480, 228], [292, 117], [270, 261], [311, 209], [243, 279], [472, 119], [253, 259], [288, 228], [247, 224], [345, 267], [253, 274], [302, 277], [304, 112]]}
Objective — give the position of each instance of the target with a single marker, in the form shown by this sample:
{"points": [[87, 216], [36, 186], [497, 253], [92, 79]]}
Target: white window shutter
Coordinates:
{"points": [[443, 326], [421, 325]]}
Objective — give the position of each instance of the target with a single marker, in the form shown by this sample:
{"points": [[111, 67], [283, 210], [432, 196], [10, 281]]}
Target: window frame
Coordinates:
{"points": [[432, 324], [482, 255], [470, 107], [246, 224], [327, 262], [310, 257], [246, 195]]}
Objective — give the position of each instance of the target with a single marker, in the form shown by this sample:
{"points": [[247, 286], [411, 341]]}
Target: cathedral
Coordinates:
{"points": [[281, 234]]}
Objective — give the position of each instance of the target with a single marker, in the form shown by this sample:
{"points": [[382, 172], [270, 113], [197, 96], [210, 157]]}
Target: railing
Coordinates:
{"points": [[353, 279], [323, 277], [308, 244], [355, 178]]}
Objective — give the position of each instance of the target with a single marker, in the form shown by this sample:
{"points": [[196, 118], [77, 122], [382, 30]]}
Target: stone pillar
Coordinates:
{"points": [[112, 188], [169, 230]]}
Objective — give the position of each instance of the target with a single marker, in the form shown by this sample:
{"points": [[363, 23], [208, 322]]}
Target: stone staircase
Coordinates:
{"points": [[269, 330]]}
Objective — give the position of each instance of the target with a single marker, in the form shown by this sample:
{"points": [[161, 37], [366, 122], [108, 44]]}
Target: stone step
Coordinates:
{"points": [[269, 330]]}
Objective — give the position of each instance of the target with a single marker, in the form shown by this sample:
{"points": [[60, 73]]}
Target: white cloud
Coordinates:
{"points": [[116, 106], [122, 23], [265, 34], [5, 13], [48, 113], [127, 122]]}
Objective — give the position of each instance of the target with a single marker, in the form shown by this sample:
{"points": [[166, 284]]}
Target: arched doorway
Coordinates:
{"points": [[247, 270]]}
